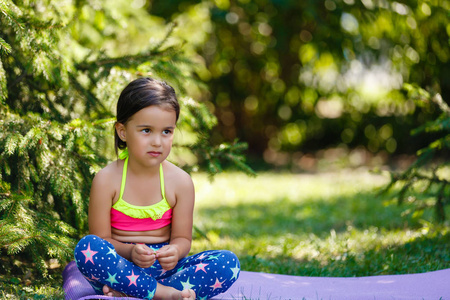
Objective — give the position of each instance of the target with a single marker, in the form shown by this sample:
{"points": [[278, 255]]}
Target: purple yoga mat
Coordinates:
{"points": [[262, 286]]}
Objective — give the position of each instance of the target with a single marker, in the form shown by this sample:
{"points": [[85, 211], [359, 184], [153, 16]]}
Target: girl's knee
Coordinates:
{"points": [[90, 243], [230, 257], [230, 262], [89, 240]]}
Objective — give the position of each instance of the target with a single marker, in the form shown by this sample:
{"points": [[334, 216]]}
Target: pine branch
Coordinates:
{"points": [[5, 47], [98, 105], [126, 61], [437, 98], [37, 233], [440, 146], [169, 32], [11, 15], [442, 123], [3, 87]]}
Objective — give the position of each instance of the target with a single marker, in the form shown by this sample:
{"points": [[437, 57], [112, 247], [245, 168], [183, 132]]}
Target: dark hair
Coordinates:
{"points": [[139, 94]]}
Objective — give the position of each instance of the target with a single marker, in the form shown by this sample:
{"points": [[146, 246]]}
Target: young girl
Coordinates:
{"points": [[141, 211]]}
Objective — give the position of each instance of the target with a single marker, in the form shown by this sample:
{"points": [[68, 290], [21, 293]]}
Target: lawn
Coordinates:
{"points": [[326, 224]]}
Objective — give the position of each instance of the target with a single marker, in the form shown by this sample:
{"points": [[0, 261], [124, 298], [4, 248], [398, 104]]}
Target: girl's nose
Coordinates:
{"points": [[156, 140]]}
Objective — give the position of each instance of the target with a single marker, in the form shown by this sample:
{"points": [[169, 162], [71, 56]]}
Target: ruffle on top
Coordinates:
{"points": [[154, 211]]}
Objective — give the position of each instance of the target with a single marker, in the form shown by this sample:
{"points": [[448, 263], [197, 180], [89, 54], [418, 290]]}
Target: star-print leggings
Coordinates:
{"points": [[208, 273]]}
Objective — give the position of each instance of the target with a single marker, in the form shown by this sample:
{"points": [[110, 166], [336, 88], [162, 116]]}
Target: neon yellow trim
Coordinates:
{"points": [[154, 211], [161, 178], [124, 178]]}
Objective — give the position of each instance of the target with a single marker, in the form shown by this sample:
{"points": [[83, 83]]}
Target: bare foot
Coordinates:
{"points": [[107, 291], [164, 292], [188, 294]]}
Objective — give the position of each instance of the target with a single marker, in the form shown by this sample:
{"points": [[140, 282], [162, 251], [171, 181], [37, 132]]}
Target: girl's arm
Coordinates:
{"points": [[100, 202], [182, 221]]}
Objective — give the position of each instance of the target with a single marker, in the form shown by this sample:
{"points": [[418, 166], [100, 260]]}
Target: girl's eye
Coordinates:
{"points": [[145, 130], [167, 131]]}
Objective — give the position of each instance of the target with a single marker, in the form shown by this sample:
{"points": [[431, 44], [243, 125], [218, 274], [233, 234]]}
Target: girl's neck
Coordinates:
{"points": [[141, 170]]}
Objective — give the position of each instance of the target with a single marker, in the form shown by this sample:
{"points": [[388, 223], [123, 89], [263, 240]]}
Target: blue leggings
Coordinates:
{"points": [[208, 273]]}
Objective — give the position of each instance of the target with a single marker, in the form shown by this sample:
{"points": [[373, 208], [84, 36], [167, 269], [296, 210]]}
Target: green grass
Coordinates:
{"points": [[330, 224], [327, 224]]}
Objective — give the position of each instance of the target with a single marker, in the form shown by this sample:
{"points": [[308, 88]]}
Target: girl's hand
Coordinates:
{"points": [[143, 256], [168, 257]]}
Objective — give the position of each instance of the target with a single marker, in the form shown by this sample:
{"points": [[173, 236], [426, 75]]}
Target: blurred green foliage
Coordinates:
{"points": [[299, 76], [292, 78]]}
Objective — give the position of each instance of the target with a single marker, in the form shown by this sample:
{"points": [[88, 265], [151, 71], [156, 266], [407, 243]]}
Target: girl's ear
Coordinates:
{"points": [[121, 132]]}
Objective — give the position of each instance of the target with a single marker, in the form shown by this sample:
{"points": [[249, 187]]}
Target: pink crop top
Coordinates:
{"points": [[129, 217]]}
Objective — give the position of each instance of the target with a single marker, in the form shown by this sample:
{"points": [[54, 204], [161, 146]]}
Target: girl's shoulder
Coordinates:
{"points": [[179, 186], [110, 174], [106, 184], [176, 175]]}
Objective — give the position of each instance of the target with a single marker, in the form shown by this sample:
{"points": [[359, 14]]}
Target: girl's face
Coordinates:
{"points": [[149, 134]]}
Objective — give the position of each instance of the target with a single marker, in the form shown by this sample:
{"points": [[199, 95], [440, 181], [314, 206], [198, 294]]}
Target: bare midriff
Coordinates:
{"points": [[157, 236]]}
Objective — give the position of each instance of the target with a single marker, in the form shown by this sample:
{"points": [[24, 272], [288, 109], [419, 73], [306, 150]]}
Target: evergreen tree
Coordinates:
{"points": [[428, 175], [60, 75]]}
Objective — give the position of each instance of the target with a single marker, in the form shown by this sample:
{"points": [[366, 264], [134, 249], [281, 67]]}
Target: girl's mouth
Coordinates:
{"points": [[154, 153]]}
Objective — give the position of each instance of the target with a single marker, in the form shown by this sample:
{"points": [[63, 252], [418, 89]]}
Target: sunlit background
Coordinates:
{"points": [[294, 77], [311, 96]]}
